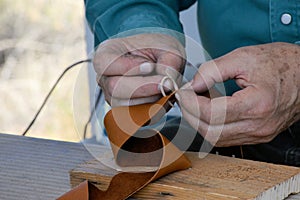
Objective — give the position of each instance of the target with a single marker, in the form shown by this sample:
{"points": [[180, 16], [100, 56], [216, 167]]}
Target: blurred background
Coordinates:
{"points": [[38, 40]]}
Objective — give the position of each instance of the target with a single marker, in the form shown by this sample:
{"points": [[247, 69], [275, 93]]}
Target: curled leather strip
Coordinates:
{"points": [[134, 148]]}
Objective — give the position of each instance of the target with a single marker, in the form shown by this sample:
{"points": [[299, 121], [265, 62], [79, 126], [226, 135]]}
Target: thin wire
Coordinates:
{"points": [[175, 86], [50, 92], [91, 115], [97, 100]]}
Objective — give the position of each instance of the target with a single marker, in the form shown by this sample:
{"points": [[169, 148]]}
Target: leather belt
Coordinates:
{"points": [[135, 149]]}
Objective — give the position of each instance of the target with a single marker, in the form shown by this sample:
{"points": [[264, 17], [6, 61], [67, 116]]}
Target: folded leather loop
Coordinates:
{"points": [[134, 148]]}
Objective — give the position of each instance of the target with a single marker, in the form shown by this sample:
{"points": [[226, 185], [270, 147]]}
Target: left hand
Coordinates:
{"points": [[268, 103], [130, 69]]}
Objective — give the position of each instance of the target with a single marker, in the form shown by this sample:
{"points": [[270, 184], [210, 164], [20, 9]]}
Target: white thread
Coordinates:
{"points": [[168, 77]]}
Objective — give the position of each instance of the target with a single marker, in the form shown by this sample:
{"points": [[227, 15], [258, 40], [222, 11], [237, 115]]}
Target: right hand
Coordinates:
{"points": [[129, 70]]}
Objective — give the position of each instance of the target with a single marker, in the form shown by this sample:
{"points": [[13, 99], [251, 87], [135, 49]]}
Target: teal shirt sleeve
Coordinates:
{"points": [[108, 18]]}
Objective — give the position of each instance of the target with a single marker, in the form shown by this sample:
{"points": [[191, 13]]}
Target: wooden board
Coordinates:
{"points": [[212, 178], [37, 169]]}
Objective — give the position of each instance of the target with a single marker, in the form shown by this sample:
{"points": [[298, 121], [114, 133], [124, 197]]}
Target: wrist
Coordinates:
{"points": [[151, 30]]}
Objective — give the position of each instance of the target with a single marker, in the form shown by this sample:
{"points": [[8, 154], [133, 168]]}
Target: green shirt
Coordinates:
{"points": [[224, 24]]}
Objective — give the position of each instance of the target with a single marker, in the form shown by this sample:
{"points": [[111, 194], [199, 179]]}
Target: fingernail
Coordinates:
{"points": [[146, 68]]}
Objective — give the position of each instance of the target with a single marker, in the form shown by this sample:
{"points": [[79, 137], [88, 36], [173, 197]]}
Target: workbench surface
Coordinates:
{"points": [[33, 168]]}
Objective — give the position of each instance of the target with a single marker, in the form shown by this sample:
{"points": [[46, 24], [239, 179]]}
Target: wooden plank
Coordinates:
{"points": [[214, 177], [36, 168]]}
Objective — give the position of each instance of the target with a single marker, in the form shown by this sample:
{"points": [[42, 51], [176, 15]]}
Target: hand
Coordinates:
{"points": [[268, 103], [130, 69]]}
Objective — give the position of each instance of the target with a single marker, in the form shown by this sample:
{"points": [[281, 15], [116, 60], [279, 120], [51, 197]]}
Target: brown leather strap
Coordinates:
{"points": [[134, 148]]}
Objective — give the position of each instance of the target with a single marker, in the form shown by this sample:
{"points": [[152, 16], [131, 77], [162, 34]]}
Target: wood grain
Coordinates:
{"points": [[37, 169], [212, 178]]}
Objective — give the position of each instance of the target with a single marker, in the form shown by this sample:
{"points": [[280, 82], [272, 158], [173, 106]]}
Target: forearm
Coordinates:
{"points": [[108, 18]]}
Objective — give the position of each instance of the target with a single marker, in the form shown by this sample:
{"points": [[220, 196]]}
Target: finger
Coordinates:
{"points": [[132, 62], [126, 64], [228, 134], [216, 71], [247, 103], [123, 87], [210, 135], [198, 106], [222, 109], [114, 102], [197, 124], [246, 140], [237, 142]]}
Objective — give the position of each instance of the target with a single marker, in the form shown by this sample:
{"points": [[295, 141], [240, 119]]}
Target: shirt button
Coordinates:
{"points": [[297, 42], [286, 18]]}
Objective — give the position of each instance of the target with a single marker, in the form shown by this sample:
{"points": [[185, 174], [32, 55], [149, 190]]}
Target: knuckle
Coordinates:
{"points": [[264, 133], [143, 90], [252, 128], [261, 108], [98, 63], [264, 109], [206, 114], [110, 84], [180, 59]]}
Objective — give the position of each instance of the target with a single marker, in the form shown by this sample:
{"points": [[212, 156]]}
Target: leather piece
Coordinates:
{"points": [[133, 147], [79, 192]]}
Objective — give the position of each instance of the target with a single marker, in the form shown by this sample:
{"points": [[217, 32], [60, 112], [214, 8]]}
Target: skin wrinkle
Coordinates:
{"points": [[171, 56], [254, 134], [123, 56], [252, 137], [120, 90], [246, 112], [146, 54], [268, 74], [284, 69], [267, 103]]}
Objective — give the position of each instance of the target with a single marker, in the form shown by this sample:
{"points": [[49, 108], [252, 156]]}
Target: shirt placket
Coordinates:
{"points": [[285, 21]]}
